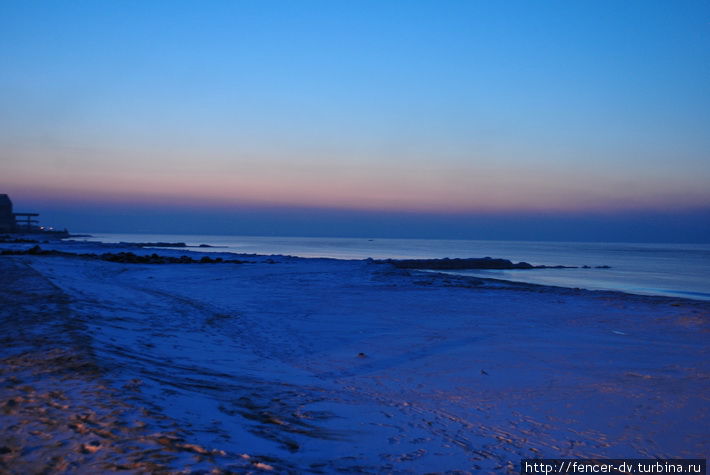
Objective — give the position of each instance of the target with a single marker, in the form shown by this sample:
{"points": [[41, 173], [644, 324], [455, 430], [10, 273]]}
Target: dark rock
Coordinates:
{"points": [[34, 250], [462, 264], [456, 264]]}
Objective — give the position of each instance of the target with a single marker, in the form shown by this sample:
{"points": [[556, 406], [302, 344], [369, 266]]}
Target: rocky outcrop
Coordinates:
{"points": [[462, 264]]}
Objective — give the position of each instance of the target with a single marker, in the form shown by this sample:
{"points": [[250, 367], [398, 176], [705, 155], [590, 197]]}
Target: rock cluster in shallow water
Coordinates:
{"points": [[462, 264]]}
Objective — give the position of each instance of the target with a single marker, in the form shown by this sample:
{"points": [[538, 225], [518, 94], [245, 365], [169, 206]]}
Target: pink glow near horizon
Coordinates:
{"points": [[356, 193]]}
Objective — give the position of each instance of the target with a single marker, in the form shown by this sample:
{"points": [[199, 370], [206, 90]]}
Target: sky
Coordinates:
{"points": [[550, 120]]}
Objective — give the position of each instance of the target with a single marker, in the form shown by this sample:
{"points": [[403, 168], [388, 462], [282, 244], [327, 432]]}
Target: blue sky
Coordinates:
{"points": [[439, 110]]}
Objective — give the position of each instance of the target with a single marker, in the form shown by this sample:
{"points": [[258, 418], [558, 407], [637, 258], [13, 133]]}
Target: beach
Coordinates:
{"points": [[277, 363]]}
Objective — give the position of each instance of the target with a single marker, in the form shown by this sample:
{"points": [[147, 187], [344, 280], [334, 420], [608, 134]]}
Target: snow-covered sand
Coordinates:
{"points": [[317, 365]]}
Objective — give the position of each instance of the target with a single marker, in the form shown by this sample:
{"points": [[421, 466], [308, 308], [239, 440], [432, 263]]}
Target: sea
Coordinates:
{"points": [[674, 270]]}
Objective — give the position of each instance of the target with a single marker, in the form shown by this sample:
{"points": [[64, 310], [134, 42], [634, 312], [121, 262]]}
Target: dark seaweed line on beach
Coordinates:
{"points": [[485, 263], [123, 257]]}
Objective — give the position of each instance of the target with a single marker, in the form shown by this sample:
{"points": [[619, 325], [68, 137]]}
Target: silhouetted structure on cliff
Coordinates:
{"points": [[11, 222], [7, 218]]}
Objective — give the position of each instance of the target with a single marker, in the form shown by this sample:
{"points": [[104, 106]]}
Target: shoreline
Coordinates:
{"points": [[92, 250], [316, 365], [638, 268]]}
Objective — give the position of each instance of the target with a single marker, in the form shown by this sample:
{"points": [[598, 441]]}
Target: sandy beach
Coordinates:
{"points": [[318, 365], [325, 237]]}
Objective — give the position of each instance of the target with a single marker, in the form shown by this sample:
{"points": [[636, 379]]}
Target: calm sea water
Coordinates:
{"points": [[681, 270]]}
